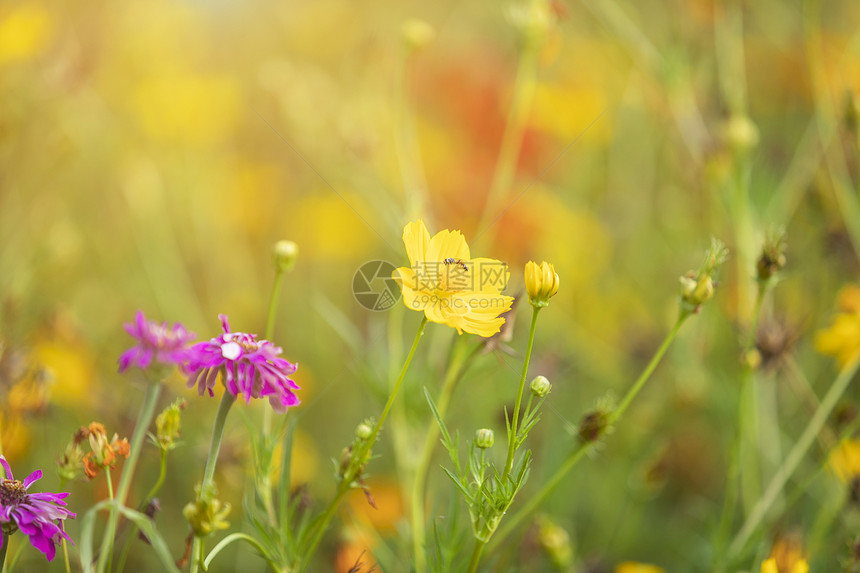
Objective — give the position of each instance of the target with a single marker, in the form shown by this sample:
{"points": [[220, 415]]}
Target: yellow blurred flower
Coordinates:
{"points": [[633, 567], [187, 107], [842, 338], [786, 556], [24, 32], [14, 436], [770, 566], [448, 285], [844, 460], [387, 508]]}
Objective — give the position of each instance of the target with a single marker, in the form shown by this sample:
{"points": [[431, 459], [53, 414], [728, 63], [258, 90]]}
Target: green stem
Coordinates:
{"points": [[646, 374], [270, 330], [162, 473], [785, 471], [3, 550], [512, 140], [455, 372], [577, 454], [147, 410], [512, 436], [476, 555], [358, 457], [406, 146], [209, 472]]}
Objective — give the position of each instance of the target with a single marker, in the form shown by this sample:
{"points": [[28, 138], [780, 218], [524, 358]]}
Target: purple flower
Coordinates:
{"points": [[155, 341], [38, 515], [247, 366]]}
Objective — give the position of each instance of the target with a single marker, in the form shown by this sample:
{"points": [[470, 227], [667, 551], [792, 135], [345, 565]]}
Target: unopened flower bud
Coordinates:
{"points": [[285, 253], [772, 258], [555, 542], [416, 34], [533, 19], [363, 431], [540, 386], [207, 514], [697, 287], [168, 424], [71, 465], [484, 438], [541, 282], [593, 426], [741, 133]]}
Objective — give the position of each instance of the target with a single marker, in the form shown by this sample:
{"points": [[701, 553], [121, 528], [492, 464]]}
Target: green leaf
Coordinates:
{"points": [[230, 539], [145, 524]]}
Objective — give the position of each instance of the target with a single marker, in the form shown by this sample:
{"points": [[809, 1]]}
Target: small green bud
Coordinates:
{"points": [[533, 20], [741, 133], [363, 431], [416, 34], [285, 253], [772, 258], [168, 424], [540, 386], [207, 513], [697, 287], [593, 426], [484, 438]]}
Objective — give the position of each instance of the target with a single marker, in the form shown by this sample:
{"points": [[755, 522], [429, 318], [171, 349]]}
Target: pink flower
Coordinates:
{"points": [[247, 366], [39, 516], [165, 345]]}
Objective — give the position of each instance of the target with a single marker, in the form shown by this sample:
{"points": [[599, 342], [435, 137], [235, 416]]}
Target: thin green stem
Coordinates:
{"points": [[785, 471], [512, 140], [3, 550], [512, 436], [577, 454], [209, 472], [358, 457], [147, 410], [476, 555], [406, 145], [162, 473], [270, 330], [536, 500], [646, 374], [456, 368]]}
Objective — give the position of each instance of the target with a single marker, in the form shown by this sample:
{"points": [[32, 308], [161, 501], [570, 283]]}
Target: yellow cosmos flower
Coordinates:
{"points": [[632, 567], [842, 339], [448, 285], [844, 460], [770, 566]]}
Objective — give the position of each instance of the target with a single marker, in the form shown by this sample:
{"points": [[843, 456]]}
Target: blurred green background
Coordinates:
{"points": [[151, 152]]}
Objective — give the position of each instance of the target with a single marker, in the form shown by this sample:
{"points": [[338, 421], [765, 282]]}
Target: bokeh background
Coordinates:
{"points": [[151, 152]]}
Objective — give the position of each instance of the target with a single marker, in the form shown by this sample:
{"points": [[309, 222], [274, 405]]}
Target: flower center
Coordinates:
{"points": [[454, 275], [12, 492]]}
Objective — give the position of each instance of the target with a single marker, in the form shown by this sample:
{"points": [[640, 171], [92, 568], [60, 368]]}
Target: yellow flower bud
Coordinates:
{"points": [[416, 34], [541, 282], [285, 253]]}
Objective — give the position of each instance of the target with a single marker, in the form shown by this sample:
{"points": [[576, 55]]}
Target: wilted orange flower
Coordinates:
{"points": [[104, 453]]}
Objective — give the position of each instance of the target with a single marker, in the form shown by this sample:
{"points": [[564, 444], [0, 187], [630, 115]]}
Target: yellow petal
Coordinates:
{"points": [[769, 566], [448, 244], [417, 239]]}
